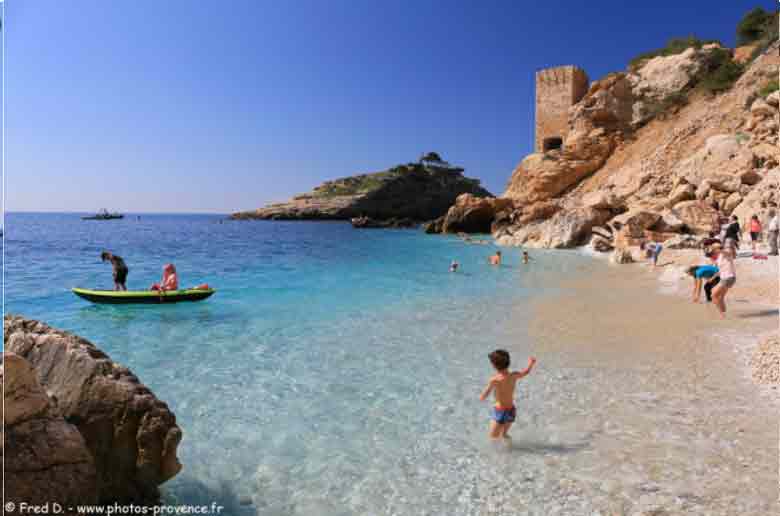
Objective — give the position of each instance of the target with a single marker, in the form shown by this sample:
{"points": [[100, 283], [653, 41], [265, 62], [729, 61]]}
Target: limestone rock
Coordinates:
{"points": [[773, 99], [742, 54], [668, 223], [724, 182], [683, 242], [600, 244], [761, 198], [732, 201], [698, 216], [683, 192], [45, 457], [601, 200], [472, 214], [636, 221], [761, 108], [131, 434], [565, 229]]}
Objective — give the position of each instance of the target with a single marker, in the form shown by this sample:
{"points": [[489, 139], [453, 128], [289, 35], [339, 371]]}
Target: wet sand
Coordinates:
{"points": [[658, 394]]}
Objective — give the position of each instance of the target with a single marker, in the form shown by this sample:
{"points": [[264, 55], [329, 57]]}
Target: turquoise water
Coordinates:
{"points": [[335, 371]]}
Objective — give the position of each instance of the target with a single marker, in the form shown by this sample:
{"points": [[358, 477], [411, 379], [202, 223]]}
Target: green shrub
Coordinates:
{"points": [[673, 46], [720, 72], [754, 26], [769, 88]]}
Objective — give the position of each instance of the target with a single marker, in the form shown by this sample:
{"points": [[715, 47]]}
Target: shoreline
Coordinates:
{"points": [[757, 290]]}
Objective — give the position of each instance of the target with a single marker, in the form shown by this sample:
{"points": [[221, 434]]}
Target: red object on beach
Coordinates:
{"points": [[757, 256]]}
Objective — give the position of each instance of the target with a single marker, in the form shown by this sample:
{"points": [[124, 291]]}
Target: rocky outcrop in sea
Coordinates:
{"points": [[80, 428], [418, 191]]}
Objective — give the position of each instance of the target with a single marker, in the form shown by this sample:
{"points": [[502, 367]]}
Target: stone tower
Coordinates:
{"points": [[557, 89]]}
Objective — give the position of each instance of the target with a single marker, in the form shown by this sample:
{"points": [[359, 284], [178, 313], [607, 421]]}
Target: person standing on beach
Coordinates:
{"points": [[503, 384], [774, 231], [119, 269], [495, 259], [728, 277], [755, 231], [732, 234]]}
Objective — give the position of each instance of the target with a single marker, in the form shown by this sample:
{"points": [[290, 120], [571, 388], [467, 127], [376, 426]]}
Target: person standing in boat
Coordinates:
{"points": [[170, 280], [119, 269]]}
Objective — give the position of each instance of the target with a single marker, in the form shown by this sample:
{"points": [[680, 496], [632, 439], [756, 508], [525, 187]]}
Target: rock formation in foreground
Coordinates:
{"points": [[647, 154], [418, 191], [93, 404], [45, 457]]}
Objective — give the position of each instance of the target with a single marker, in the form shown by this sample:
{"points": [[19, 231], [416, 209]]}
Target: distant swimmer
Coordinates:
{"points": [[495, 259], [119, 269], [454, 266], [502, 384], [526, 258]]}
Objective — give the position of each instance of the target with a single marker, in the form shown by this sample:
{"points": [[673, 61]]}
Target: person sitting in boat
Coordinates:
{"points": [[119, 268], [170, 280]]}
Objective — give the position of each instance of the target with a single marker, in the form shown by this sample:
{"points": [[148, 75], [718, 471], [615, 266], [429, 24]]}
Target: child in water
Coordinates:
{"points": [[503, 384], [496, 258], [526, 258], [454, 266]]}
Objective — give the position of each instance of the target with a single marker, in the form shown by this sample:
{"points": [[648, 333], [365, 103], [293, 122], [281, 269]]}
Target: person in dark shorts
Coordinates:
{"points": [[119, 268]]}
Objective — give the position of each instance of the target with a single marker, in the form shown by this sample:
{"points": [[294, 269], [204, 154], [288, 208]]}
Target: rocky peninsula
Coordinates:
{"points": [[79, 428], [418, 191], [646, 153]]}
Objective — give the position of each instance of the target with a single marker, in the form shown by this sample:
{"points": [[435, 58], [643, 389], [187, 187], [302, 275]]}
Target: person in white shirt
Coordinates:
{"points": [[774, 231]]}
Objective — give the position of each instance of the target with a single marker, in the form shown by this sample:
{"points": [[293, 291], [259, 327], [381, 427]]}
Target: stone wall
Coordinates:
{"points": [[557, 89]]}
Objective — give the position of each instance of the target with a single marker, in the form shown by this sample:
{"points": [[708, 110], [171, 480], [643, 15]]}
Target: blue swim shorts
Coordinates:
{"points": [[502, 415]]}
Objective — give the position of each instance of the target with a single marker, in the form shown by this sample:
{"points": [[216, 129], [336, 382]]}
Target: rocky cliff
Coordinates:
{"points": [[417, 191], [651, 153], [80, 428]]}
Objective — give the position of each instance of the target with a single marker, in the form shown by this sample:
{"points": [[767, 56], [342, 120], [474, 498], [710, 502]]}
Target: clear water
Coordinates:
{"points": [[336, 371]]}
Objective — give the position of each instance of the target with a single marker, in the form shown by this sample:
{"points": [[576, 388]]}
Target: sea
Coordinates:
{"points": [[337, 371]]}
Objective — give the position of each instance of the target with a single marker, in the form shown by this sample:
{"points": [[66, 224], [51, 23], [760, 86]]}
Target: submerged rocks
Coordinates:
{"points": [[131, 435], [393, 223], [46, 459]]}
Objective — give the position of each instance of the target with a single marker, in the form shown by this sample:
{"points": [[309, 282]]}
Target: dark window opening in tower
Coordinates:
{"points": [[554, 143]]}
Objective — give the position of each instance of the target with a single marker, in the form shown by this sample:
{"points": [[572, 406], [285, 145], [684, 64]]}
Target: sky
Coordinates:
{"points": [[195, 106]]}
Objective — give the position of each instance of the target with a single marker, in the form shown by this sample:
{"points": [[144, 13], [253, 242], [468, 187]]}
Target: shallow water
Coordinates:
{"points": [[337, 371]]}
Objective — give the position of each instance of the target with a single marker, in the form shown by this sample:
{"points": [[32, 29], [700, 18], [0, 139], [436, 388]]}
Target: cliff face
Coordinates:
{"points": [[648, 155], [418, 191]]}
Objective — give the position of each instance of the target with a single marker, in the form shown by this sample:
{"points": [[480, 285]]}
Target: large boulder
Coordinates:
{"points": [[46, 459], [131, 435], [472, 214], [761, 198], [682, 192], [635, 221], [698, 216], [565, 229]]}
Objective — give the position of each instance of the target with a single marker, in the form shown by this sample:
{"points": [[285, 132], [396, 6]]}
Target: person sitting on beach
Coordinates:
{"points": [[728, 277], [503, 385], [170, 280], [495, 259], [526, 258], [119, 268], [454, 266], [755, 231]]}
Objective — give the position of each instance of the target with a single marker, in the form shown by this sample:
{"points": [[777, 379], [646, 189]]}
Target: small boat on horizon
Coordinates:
{"points": [[103, 214]]}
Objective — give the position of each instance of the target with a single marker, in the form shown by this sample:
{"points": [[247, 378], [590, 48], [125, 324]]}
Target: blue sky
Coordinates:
{"points": [[218, 106]]}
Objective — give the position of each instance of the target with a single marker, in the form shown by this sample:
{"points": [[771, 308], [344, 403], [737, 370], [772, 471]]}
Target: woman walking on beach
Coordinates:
{"points": [[755, 231], [728, 277]]}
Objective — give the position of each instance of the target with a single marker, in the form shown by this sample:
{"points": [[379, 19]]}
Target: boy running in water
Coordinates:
{"points": [[503, 383]]}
